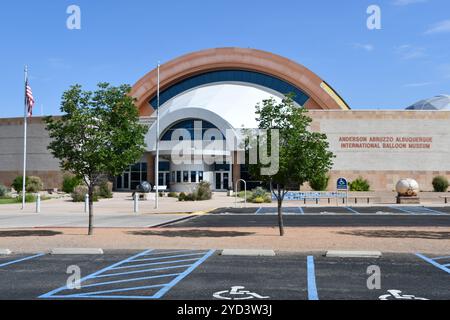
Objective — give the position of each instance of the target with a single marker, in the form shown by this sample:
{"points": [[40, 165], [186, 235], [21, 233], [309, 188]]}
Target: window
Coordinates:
{"points": [[178, 176], [173, 177], [236, 75], [193, 176], [194, 132], [185, 176], [200, 176]]}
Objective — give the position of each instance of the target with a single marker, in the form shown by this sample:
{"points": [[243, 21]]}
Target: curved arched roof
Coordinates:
{"points": [[311, 90], [441, 102]]}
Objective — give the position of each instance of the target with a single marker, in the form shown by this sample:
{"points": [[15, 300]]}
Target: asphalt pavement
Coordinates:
{"points": [[207, 275]]}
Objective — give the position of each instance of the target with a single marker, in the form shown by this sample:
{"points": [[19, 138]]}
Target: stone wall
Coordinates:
{"points": [[381, 146], [39, 160], [385, 146]]}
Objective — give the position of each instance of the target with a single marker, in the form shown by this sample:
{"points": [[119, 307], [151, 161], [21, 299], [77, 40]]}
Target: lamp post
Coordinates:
{"points": [[157, 145]]}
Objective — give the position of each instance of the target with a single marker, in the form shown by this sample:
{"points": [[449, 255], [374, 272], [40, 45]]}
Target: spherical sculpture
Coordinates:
{"points": [[408, 188], [144, 187]]}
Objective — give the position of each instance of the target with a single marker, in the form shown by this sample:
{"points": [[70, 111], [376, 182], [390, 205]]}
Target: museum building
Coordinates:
{"points": [[211, 95]]}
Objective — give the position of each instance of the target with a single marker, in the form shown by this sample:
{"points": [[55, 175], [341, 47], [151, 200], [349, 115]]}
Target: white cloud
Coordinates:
{"points": [[440, 27], [418, 84], [366, 46], [408, 52], [407, 2]]}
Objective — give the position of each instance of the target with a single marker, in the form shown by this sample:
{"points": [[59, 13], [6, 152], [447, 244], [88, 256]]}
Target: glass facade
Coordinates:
{"points": [[189, 126], [132, 177], [245, 76]]}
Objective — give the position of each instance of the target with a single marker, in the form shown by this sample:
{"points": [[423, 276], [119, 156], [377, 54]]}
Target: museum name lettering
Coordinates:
{"points": [[385, 142]]}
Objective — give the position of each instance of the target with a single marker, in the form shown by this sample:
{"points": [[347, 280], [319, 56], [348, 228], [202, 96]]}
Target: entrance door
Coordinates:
{"points": [[222, 180], [123, 182]]}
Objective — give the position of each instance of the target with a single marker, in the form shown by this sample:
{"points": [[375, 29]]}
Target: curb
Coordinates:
{"points": [[74, 251], [353, 254], [248, 252], [5, 252]]}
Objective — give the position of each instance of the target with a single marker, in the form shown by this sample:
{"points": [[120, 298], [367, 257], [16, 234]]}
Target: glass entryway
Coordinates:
{"points": [[222, 180], [123, 181]]}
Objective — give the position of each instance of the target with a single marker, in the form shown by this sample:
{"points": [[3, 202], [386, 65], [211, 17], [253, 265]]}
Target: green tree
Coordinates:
{"points": [[99, 134], [302, 154]]}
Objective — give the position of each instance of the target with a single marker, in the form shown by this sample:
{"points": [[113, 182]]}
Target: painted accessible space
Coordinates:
{"points": [[338, 210], [206, 275]]}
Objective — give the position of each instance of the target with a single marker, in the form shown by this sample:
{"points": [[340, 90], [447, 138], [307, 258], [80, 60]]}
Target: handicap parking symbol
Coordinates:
{"points": [[397, 295], [237, 293]]}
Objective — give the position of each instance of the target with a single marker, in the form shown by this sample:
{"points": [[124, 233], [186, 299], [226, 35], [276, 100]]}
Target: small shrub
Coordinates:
{"points": [[440, 184], [3, 190], [190, 197], [359, 184], [79, 194], [258, 200], [70, 182], [182, 196], [260, 194], [172, 195], [319, 183], [105, 190], [34, 184], [203, 191], [28, 198], [17, 183]]}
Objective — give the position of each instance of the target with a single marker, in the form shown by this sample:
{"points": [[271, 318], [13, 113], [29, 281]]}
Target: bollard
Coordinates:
{"points": [[136, 203], [86, 203], [38, 203]]}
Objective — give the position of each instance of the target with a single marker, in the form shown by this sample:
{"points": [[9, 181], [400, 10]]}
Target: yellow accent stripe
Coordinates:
{"points": [[334, 96]]}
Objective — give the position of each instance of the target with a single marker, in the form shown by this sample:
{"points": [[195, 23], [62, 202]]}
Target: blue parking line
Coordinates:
{"points": [[111, 293], [130, 280], [312, 288], [140, 271], [165, 289], [440, 258], [257, 211], [352, 210], [404, 210], [22, 259], [435, 211], [434, 263], [93, 275], [161, 258], [301, 210]]}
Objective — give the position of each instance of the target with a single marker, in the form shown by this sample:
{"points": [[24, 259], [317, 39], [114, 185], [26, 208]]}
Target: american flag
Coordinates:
{"points": [[29, 100]]}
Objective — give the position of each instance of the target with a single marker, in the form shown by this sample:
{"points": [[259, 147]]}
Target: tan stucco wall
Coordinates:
{"points": [[39, 160], [384, 166]]}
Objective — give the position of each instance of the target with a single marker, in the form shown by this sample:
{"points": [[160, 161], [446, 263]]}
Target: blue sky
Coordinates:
{"points": [[120, 41]]}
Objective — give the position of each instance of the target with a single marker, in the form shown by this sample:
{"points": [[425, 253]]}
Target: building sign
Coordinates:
{"points": [[385, 142], [342, 184], [298, 195]]}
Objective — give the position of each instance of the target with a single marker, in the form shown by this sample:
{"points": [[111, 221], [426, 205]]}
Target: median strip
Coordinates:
{"points": [[248, 252], [353, 254], [61, 251]]}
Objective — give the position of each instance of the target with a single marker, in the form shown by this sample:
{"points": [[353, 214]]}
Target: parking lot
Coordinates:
{"points": [[205, 274], [375, 216]]}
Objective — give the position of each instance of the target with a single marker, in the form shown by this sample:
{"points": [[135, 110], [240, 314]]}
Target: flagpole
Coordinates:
{"points": [[24, 139], [157, 143]]}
